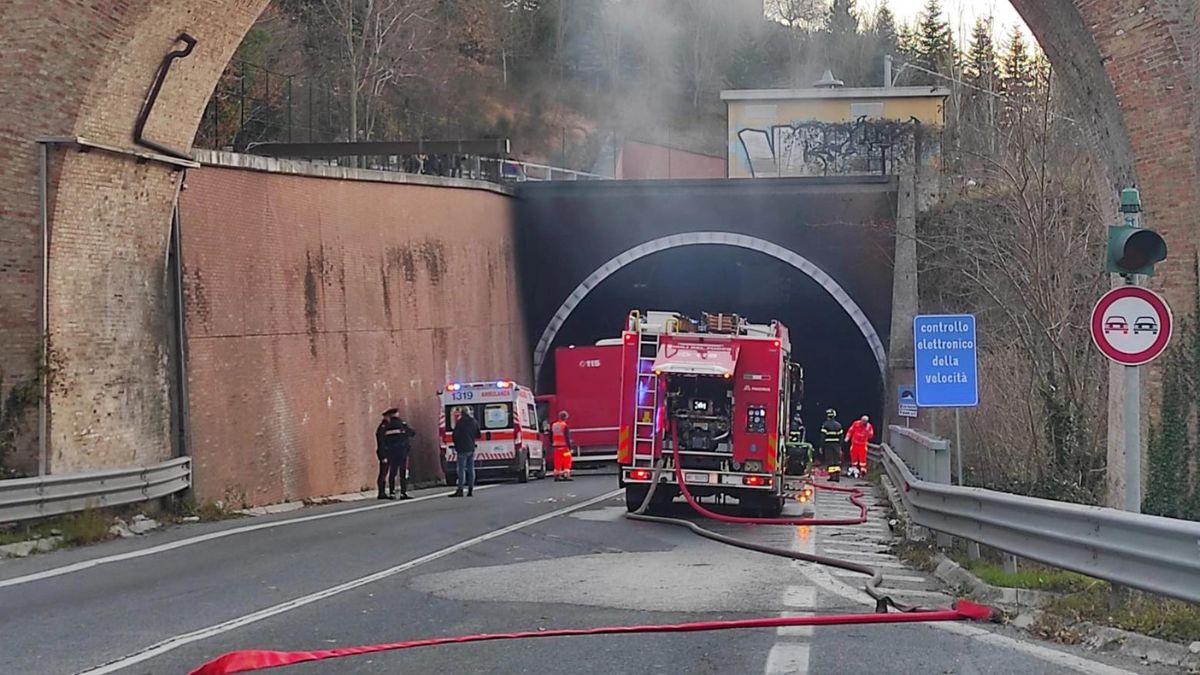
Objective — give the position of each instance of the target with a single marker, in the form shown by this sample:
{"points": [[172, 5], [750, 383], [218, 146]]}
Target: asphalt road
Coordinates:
{"points": [[515, 557]]}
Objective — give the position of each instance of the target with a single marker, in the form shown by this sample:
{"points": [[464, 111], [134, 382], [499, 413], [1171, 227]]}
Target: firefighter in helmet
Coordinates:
{"points": [[831, 444]]}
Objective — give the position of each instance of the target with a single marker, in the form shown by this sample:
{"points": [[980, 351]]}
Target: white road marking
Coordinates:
{"points": [[232, 624], [903, 592], [792, 655], [199, 539], [846, 553], [887, 577], [788, 658]]}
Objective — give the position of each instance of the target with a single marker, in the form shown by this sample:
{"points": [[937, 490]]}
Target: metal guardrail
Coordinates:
{"points": [[27, 498], [1159, 555]]}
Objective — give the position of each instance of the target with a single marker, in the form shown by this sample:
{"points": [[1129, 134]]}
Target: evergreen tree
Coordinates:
{"points": [[842, 22], [983, 76], [887, 38], [1017, 65], [845, 54], [982, 70], [933, 43]]}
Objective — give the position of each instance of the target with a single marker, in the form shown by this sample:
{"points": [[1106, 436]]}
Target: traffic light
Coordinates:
{"points": [[1133, 249]]}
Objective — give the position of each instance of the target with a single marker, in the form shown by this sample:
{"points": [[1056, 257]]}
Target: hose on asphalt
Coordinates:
{"points": [[882, 601], [257, 659]]}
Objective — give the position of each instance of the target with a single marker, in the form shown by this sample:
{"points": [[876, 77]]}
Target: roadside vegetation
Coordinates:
{"points": [[1142, 613], [78, 529]]}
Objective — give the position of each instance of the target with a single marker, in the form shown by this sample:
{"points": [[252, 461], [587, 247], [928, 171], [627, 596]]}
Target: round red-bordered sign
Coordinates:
{"points": [[1131, 325]]}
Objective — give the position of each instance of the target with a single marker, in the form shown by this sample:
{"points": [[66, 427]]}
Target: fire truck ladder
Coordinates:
{"points": [[644, 431]]}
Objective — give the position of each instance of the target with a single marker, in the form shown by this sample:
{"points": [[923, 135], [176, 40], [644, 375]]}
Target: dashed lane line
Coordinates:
{"points": [[178, 641]]}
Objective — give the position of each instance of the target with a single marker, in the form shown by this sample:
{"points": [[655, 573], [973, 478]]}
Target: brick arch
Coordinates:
{"points": [[81, 68], [1131, 68]]}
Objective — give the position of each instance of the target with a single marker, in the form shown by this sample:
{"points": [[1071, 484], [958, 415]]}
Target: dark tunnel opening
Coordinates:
{"points": [[840, 369]]}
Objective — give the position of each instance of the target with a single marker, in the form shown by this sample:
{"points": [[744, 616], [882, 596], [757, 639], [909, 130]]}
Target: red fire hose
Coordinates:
{"points": [[255, 659]]}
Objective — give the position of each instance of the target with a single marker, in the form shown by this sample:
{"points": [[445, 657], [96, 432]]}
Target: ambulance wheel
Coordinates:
{"points": [[541, 472], [523, 468], [634, 496]]}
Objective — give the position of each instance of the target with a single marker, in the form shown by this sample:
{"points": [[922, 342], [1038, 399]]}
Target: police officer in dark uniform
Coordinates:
{"points": [[831, 444], [392, 446]]}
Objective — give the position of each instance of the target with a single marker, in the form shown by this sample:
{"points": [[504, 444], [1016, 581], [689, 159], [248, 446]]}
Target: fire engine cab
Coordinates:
{"points": [[720, 389], [509, 441]]}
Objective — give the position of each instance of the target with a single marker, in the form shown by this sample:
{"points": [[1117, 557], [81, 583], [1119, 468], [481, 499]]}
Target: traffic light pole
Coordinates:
{"points": [[1133, 434]]}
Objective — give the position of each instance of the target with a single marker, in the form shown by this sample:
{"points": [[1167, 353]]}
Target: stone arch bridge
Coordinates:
{"points": [[78, 72]]}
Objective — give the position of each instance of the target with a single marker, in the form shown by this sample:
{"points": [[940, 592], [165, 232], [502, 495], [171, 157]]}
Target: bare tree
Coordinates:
{"points": [[1017, 241], [379, 43]]}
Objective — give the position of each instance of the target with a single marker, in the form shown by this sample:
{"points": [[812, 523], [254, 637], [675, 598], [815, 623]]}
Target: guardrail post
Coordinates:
{"points": [[1010, 564], [973, 550]]}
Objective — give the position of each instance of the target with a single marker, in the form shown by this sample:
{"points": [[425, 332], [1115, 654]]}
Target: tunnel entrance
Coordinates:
{"points": [[840, 368]]}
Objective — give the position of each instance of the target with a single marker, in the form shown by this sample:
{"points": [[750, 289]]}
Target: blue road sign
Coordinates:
{"points": [[906, 400], [944, 351]]}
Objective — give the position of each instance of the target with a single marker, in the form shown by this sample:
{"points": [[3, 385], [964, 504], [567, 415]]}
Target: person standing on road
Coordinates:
{"points": [[392, 446], [831, 444], [560, 441], [466, 432], [860, 434]]}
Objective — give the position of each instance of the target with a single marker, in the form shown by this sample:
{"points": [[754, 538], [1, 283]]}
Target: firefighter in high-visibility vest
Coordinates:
{"points": [[831, 445], [560, 442], [859, 435]]}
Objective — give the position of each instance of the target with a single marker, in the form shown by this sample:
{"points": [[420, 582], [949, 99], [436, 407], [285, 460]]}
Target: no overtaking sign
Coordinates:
{"points": [[1131, 325]]}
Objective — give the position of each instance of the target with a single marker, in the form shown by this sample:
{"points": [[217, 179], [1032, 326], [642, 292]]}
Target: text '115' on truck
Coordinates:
{"points": [[721, 389]]}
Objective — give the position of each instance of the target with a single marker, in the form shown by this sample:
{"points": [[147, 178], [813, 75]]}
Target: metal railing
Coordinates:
{"points": [[1159, 555], [519, 172], [28, 498]]}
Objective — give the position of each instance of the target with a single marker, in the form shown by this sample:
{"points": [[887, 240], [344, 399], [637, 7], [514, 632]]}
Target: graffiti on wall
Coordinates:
{"points": [[811, 148]]}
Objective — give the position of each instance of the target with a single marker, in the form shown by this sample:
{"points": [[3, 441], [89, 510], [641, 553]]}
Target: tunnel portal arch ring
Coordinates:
{"points": [[719, 239]]}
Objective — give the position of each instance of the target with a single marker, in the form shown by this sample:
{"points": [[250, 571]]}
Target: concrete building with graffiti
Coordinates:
{"points": [[829, 130]]}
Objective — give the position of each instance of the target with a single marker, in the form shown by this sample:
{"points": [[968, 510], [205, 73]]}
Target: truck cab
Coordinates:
{"points": [[510, 442]]}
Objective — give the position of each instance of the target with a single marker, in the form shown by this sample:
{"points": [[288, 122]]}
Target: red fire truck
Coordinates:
{"points": [[720, 387], [587, 384]]}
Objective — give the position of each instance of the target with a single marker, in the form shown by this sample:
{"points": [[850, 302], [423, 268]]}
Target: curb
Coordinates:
{"points": [[285, 507], [22, 549], [1154, 650], [1026, 604]]}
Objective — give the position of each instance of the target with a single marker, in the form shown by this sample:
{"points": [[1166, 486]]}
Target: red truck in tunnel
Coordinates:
{"points": [[587, 384], [720, 389]]}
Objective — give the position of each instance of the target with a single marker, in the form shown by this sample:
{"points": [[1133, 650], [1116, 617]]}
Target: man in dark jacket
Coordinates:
{"points": [[392, 446], [466, 431]]}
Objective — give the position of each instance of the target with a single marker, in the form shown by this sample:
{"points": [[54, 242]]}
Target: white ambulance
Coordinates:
{"points": [[509, 442]]}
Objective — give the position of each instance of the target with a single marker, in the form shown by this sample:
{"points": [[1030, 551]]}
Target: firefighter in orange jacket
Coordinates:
{"points": [[860, 434], [560, 441]]}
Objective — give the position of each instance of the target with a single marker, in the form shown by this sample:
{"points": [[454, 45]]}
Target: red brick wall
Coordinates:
{"points": [[313, 304]]}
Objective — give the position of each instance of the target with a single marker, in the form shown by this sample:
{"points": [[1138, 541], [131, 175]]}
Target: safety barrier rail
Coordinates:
{"points": [[1159, 555], [27, 498]]}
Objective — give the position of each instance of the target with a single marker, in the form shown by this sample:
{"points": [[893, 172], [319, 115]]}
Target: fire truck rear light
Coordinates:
{"points": [[777, 343], [756, 481], [639, 474], [728, 375]]}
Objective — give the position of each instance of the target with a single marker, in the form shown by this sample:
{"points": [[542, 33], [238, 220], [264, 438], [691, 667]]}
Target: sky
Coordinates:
{"points": [[961, 14]]}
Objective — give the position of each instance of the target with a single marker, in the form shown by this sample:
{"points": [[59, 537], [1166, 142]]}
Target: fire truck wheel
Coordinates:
{"points": [[634, 496], [523, 468]]}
